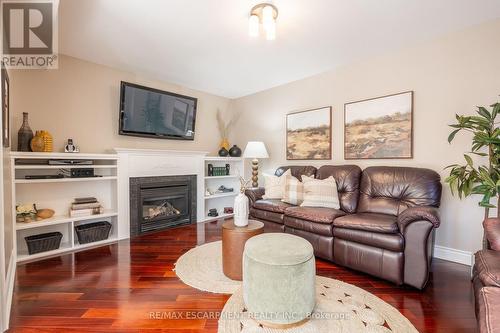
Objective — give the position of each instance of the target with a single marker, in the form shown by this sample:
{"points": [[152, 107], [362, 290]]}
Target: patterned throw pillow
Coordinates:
{"points": [[320, 192], [294, 191], [275, 185]]}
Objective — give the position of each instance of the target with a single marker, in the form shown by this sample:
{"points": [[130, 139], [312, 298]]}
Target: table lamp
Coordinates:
{"points": [[255, 150]]}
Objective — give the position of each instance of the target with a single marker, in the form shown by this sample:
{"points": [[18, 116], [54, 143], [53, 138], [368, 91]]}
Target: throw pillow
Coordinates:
{"points": [[275, 185], [320, 192], [294, 191]]}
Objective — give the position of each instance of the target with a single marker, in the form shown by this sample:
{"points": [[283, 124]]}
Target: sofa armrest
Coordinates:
{"points": [[418, 213], [492, 233], [417, 224], [254, 194]]}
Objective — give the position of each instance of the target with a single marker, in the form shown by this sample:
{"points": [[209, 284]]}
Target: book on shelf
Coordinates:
{"points": [[86, 212], [78, 206], [85, 200]]}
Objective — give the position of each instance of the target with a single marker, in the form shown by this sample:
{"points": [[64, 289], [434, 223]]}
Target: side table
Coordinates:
{"points": [[233, 244]]}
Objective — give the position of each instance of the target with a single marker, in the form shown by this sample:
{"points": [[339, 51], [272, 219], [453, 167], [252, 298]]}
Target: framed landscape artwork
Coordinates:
{"points": [[309, 135], [5, 108], [379, 128]]}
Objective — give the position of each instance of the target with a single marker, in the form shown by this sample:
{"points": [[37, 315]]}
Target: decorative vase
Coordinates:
{"points": [[223, 152], [48, 141], [24, 135], [37, 144], [241, 210], [224, 144], [235, 151]]}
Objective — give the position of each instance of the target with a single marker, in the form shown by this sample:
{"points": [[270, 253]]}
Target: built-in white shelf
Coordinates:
{"points": [[220, 201], [58, 193], [63, 219], [223, 159], [65, 247], [222, 177], [63, 166], [64, 180], [220, 195], [220, 217], [62, 156]]}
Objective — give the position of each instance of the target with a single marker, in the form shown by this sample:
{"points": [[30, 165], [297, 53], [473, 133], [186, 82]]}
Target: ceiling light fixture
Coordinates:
{"points": [[266, 14]]}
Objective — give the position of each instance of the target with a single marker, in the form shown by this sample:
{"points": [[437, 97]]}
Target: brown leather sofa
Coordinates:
{"points": [[486, 279], [384, 226]]}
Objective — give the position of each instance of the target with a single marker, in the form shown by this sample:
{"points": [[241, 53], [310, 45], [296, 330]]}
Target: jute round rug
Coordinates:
{"points": [[201, 268], [340, 307]]}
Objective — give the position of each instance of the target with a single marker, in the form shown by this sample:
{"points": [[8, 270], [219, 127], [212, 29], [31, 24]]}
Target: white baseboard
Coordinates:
{"points": [[454, 255], [9, 285]]}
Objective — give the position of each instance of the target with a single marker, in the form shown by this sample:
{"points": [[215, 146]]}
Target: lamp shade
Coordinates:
{"points": [[255, 149]]}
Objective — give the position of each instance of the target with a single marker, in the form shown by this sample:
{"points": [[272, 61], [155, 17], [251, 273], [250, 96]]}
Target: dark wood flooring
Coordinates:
{"points": [[118, 288]]}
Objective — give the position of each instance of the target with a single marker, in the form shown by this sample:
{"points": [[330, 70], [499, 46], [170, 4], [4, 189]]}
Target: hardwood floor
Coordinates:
{"points": [[121, 287]]}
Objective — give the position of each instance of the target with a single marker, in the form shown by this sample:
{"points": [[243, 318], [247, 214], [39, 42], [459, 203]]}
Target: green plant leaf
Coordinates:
{"points": [[452, 135], [468, 159]]}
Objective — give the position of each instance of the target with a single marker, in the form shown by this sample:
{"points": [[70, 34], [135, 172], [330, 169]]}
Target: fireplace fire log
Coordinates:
{"points": [[165, 209]]}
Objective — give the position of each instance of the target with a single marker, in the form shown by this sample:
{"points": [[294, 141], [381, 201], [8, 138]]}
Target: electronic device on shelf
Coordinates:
{"points": [[78, 172], [31, 161], [71, 162], [43, 176]]}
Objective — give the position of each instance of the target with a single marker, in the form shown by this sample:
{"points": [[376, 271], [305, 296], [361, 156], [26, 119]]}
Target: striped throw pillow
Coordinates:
{"points": [[320, 192], [275, 185], [294, 191]]}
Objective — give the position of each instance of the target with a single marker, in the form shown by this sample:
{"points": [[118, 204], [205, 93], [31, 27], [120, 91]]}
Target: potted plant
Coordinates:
{"points": [[484, 179]]}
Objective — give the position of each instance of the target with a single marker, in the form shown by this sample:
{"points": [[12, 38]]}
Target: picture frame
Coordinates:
{"points": [[5, 107], [379, 128], [309, 134]]}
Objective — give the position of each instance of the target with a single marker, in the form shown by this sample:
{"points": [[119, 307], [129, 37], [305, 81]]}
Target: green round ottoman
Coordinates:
{"points": [[279, 279]]}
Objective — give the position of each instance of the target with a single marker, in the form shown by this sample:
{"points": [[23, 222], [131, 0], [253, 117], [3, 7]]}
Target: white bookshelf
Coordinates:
{"points": [[212, 183], [57, 194]]}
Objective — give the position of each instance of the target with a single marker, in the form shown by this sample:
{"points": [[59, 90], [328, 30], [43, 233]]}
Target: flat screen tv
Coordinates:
{"points": [[153, 113]]}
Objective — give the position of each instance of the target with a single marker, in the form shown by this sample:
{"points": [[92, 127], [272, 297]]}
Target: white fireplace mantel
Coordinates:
{"points": [[156, 162]]}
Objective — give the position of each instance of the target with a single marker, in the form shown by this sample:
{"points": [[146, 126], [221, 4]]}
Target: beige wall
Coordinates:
{"points": [[80, 100], [450, 75]]}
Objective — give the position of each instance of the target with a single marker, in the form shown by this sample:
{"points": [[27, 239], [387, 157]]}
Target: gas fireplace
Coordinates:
{"points": [[158, 203]]}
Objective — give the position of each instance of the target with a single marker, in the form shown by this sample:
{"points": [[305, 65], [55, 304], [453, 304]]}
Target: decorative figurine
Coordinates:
{"points": [[70, 147]]}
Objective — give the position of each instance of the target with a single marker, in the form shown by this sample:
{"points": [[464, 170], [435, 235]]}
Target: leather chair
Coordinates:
{"points": [[486, 279], [384, 226]]}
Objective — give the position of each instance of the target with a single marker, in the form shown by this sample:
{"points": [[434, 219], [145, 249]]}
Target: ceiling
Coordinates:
{"points": [[204, 44]]}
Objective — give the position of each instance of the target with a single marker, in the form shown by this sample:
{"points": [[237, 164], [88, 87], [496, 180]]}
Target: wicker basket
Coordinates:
{"points": [[43, 242], [93, 232]]}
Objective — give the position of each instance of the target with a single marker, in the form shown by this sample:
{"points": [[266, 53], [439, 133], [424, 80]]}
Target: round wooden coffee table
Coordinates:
{"points": [[233, 244]]}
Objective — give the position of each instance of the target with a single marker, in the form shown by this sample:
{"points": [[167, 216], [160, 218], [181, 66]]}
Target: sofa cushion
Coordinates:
{"points": [[323, 229], [294, 191], [272, 205], [369, 222], [391, 242], [390, 190], [266, 215], [492, 232], [314, 214], [320, 193], [348, 178], [487, 267], [489, 310], [275, 185]]}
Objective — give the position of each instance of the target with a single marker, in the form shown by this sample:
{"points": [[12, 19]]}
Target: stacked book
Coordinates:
{"points": [[85, 207]]}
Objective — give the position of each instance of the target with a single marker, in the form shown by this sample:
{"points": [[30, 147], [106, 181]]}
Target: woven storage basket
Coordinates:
{"points": [[43, 242], [93, 232]]}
